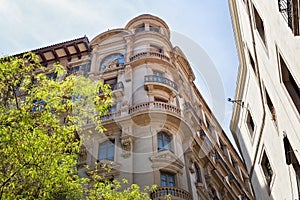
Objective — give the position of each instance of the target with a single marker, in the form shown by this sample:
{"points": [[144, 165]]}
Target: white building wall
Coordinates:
{"points": [[251, 87]]}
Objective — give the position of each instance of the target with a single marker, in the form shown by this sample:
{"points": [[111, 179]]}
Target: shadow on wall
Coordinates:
{"points": [[261, 191]]}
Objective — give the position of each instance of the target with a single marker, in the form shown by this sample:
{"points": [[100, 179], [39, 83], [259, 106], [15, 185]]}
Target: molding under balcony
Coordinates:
{"points": [[175, 193], [146, 112]]}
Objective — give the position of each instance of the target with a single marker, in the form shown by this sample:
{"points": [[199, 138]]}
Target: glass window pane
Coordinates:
{"points": [[102, 151], [160, 141], [106, 150], [171, 180], [163, 180], [111, 150]]}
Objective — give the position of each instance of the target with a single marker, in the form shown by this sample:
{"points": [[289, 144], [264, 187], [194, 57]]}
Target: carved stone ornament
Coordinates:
{"points": [[126, 141], [167, 160], [191, 159]]}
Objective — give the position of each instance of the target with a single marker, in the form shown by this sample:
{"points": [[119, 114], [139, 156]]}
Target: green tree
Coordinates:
{"points": [[40, 123]]}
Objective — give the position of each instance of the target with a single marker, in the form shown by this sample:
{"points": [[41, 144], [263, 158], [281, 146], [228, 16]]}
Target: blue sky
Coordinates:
{"points": [[31, 24]]}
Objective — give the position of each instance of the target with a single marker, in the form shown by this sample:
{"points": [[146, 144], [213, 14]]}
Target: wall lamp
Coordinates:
{"points": [[239, 102]]}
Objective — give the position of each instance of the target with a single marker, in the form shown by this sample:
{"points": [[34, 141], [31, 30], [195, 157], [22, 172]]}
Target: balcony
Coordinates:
{"points": [[154, 105], [289, 12], [110, 116], [175, 193], [144, 113], [149, 55], [160, 81], [118, 90]]}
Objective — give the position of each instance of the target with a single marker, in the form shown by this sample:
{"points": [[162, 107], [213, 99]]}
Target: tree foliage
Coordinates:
{"points": [[40, 119]]}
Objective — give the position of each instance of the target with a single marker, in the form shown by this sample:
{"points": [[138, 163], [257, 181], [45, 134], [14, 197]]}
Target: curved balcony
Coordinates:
{"points": [[144, 113], [149, 55], [154, 105], [160, 81], [175, 193], [110, 115]]}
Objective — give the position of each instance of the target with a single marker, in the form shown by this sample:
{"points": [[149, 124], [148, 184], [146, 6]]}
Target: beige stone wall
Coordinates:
{"points": [[170, 103]]}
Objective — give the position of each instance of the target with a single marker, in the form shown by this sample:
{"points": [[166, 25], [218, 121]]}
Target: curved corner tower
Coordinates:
{"points": [[159, 129]]}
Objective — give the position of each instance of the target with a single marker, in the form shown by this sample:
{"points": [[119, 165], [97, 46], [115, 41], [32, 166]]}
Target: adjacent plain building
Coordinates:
{"points": [[159, 130], [266, 117]]}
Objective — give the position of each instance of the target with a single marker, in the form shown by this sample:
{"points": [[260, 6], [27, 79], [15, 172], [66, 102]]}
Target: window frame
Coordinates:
{"points": [[269, 179], [290, 84], [108, 144], [198, 173], [259, 25], [250, 123], [112, 82], [168, 175], [162, 136]]}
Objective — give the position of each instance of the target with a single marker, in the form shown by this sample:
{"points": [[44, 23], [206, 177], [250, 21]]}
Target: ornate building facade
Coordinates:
{"points": [[159, 129], [266, 116]]}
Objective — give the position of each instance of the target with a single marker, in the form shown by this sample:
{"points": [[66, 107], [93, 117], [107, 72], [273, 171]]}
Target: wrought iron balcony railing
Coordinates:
{"points": [[162, 80], [110, 115], [175, 193], [149, 54], [285, 8]]}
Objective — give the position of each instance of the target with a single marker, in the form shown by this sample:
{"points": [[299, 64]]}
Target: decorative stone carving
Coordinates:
{"points": [[111, 64], [167, 160], [126, 141], [190, 161], [128, 73]]}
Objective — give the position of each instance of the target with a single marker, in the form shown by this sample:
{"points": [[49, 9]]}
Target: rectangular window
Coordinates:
{"points": [[51, 76], [164, 141], [140, 28], [154, 29], [271, 107], [156, 49], [259, 24], [250, 123], [267, 169], [73, 70], [167, 179], [289, 11], [85, 68], [111, 82], [290, 83], [107, 150], [198, 174], [252, 63]]}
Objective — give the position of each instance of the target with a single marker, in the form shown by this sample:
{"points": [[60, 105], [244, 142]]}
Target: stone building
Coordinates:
{"points": [[159, 129], [266, 120]]}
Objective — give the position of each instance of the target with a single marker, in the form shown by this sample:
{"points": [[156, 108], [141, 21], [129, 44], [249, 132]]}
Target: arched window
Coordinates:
{"points": [[164, 141], [111, 61]]}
